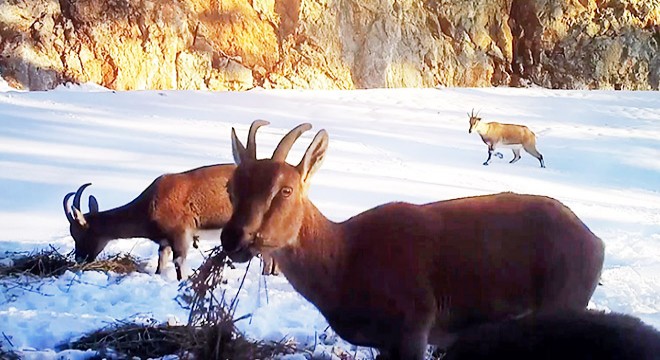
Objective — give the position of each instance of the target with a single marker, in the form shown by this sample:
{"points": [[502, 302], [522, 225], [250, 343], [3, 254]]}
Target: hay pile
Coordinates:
{"points": [[220, 341], [119, 263], [210, 333], [50, 262], [43, 263]]}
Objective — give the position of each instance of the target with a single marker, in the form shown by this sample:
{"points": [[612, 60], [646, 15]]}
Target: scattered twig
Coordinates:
{"points": [[234, 301], [8, 339], [7, 354]]}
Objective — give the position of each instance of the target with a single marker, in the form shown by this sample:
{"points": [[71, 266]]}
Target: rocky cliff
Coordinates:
{"points": [[330, 44]]}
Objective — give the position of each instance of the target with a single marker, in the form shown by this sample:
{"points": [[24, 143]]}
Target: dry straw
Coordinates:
{"points": [[50, 262], [211, 332], [43, 263], [220, 341]]}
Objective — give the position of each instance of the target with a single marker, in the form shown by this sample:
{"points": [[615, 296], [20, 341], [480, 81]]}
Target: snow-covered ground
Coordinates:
{"points": [[602, 151]]}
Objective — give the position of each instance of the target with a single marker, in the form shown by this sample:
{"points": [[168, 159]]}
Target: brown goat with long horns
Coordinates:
{"points": [[400, 276], [172, 211]]}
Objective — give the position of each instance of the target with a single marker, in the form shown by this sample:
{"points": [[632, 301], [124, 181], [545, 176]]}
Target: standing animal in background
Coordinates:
{"points": [[400, 276], [512, 136], [173, 211], [566, 336]]}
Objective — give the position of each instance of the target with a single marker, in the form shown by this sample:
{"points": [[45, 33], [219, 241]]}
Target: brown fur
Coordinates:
{"points": [[399, 276], [566, 335], [496, 135], [169, 212]]}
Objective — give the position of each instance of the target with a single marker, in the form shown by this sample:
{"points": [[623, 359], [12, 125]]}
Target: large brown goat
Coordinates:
{"points": [[172, 212], [400, 276]]}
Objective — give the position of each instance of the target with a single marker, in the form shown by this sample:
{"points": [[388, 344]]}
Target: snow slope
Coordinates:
{"points": [[602, 152]]}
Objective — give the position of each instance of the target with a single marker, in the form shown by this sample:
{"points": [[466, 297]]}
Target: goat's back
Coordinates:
{"points": [[193, 199], [513, 133], [475, 259]]}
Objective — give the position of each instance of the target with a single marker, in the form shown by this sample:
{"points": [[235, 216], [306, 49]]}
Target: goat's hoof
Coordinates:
{"points": [[485, 164]]}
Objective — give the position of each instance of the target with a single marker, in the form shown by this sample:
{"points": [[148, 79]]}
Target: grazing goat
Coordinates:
{"points": [[566, 336], [512, 136], [400, 276], [172, 212]]}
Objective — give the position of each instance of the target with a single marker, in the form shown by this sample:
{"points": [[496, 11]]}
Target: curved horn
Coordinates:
{"points": [[67, 210], [251, 143], [282, 149], [93, 204], [76, 198], [237, 148], [472, 115]]}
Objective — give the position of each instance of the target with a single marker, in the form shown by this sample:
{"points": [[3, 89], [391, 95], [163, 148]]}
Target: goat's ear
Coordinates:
{"points": [[79, 217], [237, 148], [313, 157], [93, 204]]}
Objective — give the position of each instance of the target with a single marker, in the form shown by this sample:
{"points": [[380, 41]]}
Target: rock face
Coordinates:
{"points": [[330, 44]]}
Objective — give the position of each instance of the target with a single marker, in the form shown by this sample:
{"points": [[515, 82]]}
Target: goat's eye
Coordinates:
{"points": [[286, 191]]}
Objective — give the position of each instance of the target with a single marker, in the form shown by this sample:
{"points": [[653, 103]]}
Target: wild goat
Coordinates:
{"points": [[400, 275], [512, 136], [568, 335], [172, 212]]}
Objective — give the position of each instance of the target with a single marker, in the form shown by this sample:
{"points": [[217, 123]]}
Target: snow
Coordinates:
{"points": [[601, 149], [4, 85]]}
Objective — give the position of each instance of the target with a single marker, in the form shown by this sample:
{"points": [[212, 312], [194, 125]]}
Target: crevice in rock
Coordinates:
{"points": [[526, 31]]}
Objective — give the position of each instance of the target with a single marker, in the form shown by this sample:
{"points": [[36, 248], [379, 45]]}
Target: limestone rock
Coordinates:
{"points": [[331, 44]]}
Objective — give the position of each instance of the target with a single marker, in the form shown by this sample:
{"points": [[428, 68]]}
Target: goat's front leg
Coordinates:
{"points": [[180, 245], [409, 341], [270, 266], [516, 155], [164, 253], [411, 347], [490, 154]]}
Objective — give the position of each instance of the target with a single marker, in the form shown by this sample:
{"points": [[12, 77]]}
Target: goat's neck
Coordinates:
{"points": [[482, 128], [124, 222], [313, 264]]}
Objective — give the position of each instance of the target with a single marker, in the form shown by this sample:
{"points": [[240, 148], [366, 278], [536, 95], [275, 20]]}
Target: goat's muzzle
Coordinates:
{"points": [[236, 243]]}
